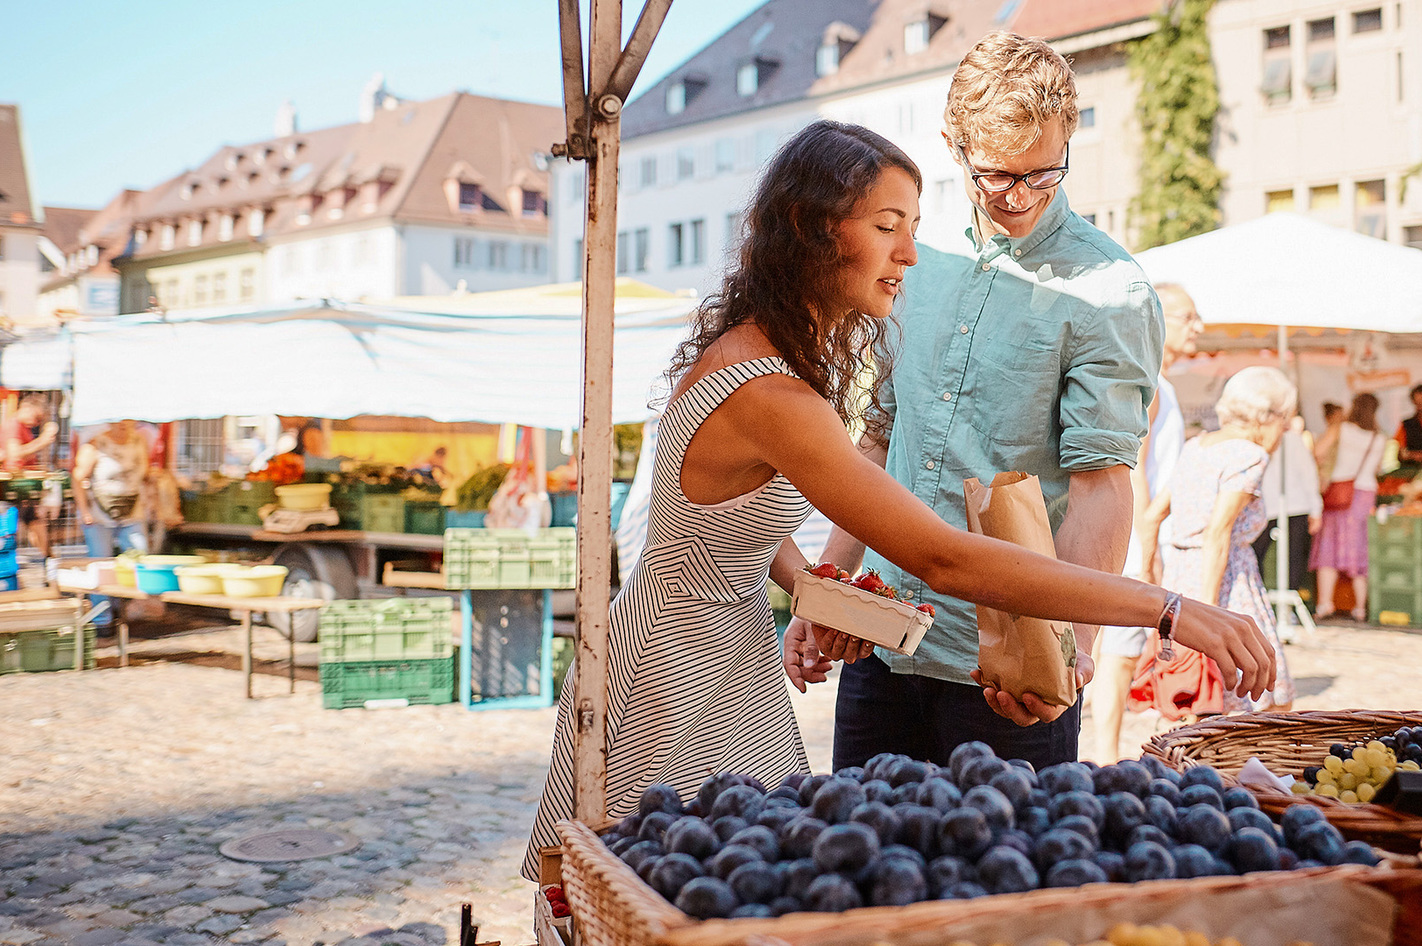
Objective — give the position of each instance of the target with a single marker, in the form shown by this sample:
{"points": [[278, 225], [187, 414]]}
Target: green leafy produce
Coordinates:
{"points": [[474, 493]]}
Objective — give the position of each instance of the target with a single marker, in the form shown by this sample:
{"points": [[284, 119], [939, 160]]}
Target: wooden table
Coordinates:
{"points": [[244, 606]]}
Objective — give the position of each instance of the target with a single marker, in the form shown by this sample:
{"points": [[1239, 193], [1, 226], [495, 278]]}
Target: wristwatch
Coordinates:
{"points": [[1165, 626]]}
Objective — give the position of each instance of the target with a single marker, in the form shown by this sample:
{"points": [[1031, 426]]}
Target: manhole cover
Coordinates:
{"points": [[290, 845]]}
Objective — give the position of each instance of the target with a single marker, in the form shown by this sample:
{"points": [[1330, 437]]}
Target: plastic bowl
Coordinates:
{"points": [[170, 561], [304, 496], [203, 579], [124, 572], [255, 581], [155, 579]]}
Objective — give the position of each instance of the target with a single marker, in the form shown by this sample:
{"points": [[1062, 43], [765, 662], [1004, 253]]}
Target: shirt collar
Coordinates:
{"points": [[1052, 219]]}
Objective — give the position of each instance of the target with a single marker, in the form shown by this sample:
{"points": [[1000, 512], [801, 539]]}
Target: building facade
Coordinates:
{"points": [[19, 228]]}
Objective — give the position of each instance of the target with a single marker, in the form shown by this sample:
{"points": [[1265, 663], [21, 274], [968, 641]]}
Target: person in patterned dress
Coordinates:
{"points": [[1216, 513], [753, 432]]}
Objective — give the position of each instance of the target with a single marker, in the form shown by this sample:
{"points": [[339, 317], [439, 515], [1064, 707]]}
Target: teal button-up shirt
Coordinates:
{"points": [[1037, 354]]}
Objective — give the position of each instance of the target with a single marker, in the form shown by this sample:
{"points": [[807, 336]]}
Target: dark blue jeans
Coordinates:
{"points": [[925, 718]]}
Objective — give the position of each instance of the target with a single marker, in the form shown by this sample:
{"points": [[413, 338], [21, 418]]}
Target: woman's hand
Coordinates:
{"points": [[1232, 641], [801, 657]]}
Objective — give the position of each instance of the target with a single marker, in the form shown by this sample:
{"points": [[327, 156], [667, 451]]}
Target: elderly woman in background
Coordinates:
{"points": [[1213, 499], [1341, 546]]}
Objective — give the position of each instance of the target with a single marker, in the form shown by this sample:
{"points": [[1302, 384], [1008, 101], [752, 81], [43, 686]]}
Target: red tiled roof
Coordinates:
{"points": [[1058, 19]]}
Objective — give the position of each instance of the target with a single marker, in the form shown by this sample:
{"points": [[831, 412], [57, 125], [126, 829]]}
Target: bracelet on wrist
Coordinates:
{"points": [[1165, 625]]}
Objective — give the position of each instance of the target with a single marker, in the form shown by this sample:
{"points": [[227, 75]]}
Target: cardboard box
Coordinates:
{"points": [[896, 625]]}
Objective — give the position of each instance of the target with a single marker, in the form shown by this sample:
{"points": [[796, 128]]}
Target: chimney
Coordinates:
{"points": [[372, 97], [286, 119]]}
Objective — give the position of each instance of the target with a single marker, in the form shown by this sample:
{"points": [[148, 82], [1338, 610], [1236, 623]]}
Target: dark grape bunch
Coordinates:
{"points": [[1353, 773], [897, 831]]}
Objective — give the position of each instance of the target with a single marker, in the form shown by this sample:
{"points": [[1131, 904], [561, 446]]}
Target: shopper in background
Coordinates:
{"points": [[1118, 648], [1409, 437], [27, 436], [1291, 484], [1213, 500], [1332, 417], [109, 472], [1341, 547]]}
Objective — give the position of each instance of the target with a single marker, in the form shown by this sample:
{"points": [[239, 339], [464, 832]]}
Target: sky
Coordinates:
{"points": [[116, 95]]}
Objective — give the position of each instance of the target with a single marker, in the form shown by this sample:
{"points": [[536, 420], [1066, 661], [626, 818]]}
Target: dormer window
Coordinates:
{"points": [[747, 79], [194, 232], [224, 227], [234, 159], [919, 31], [838, 39], [676, 98], [471, 196], [293, 148], [534, 204], [255, 221], [189, 188], [140, 237], [165, 242]]}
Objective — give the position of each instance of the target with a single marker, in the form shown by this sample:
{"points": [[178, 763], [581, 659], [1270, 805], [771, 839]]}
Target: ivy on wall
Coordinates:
{"points": [[1179, 182]]}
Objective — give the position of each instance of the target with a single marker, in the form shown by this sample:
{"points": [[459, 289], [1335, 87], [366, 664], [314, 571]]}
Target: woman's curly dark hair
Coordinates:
{"points": [[787, 274]]}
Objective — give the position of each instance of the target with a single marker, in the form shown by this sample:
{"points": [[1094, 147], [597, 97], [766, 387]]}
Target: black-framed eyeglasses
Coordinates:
{"points": [[1000, 182]]}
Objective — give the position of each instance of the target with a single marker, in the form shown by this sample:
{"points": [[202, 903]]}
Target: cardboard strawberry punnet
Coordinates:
{"points": [[865, 606]]}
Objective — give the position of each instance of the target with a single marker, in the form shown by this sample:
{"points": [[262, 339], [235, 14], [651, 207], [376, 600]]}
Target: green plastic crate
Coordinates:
{"points": [[416, 682], [424, 517], [45, 650], [1395, 570], [382, 512], [392, 629], [510, 558]]}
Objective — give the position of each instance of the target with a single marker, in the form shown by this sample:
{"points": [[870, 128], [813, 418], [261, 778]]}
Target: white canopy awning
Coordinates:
{"points": [[511, 357], [36, 362]]}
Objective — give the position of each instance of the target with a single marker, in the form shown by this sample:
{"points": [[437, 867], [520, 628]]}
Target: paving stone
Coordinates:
{"points": [[187, 916], [34, 891], [104, 936], [20, 936], [237, 904], [117, 918], [198, 894], [155, 904], [219, 925]]}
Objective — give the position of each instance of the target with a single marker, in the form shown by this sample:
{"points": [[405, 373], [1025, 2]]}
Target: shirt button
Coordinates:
{"points": [[963, 329], [1016, 252], [947, 395], [987, 266], [929, 464]]}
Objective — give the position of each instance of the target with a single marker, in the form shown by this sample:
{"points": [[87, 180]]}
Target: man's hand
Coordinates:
{"points": [[1031, 709], [837, 645], [801, 657]]}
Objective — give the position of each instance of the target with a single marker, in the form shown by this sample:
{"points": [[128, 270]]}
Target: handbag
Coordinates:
{"points": [[1339, 494]]}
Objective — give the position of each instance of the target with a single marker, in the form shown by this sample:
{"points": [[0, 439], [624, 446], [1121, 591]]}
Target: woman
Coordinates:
{"points": [[1216, 513], [753, 433], [1342, 542], [109, 471]]}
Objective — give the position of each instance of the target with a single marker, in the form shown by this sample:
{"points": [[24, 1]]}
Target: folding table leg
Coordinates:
{"points": [[123, 642], [247, 654], [291, 656]]}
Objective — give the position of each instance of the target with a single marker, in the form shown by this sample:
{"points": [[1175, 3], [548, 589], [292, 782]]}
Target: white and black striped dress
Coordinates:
{"points": [[695, 684]]}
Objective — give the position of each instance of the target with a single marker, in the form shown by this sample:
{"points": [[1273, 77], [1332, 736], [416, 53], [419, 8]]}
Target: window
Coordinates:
{"points": [[747, 80], [916, 36], [200, 290], [1321, 70], [170, 294], [675, 248], [169, 233], [464, 252], [531, 258], [219, 288], [624, 252], [698, 242], [1278, 67], [577, 259], [1089, 218], [725, 155], [1367, 21], [1323, 198], [685, 164], [224, 227], [256, 221], [765, 142], [1087, 118], [676, 98], [1412, 236], [471, 196], [534, 204], [247, 284], [1370, 208], [194, 232], [827, 59], [498, 255], [641, 247], [1279, 200], [649, 171], [733, 228]]}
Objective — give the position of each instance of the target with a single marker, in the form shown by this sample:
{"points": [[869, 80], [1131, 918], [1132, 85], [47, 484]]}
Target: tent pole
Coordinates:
{"points": [[1281, 562], [594, 116]]}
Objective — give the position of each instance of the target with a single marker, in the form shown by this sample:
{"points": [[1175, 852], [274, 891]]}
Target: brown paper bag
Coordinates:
{"points": [[1015, 653]]}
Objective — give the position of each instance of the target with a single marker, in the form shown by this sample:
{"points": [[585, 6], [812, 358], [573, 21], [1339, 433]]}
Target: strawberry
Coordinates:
{"points": [[560, 909], [887, 591], [869, 581], [825, 570], [843, 576], [927, 609]]}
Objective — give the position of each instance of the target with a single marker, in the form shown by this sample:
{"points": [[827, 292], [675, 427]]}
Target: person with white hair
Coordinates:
{"points": [[1213, 499]]}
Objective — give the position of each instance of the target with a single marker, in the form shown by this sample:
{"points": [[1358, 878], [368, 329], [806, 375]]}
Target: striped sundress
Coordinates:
{"points": [[695, 684]]}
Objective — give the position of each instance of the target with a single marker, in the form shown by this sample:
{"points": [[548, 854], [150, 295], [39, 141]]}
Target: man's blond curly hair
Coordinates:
{"points": [[1006, 89]]}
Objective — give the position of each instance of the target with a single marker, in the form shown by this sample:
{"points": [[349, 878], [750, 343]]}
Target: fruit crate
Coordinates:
{"points": [[1395, 571], [411, 682], [510, 558], [43, 650], [424, 517], [240, 503], [392, 629]]}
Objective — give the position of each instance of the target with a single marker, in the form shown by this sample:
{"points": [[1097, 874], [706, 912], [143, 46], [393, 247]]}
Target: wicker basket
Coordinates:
{"points": [[614, 908], [1285, 743]]}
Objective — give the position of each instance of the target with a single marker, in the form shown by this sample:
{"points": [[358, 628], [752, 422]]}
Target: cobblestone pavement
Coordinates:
{"points": [[118, 786]]}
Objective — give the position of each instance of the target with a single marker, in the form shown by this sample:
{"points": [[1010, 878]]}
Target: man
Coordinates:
{"points": [[1033, 346], [28, 434], [1409, 437], [1118, 648]]}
